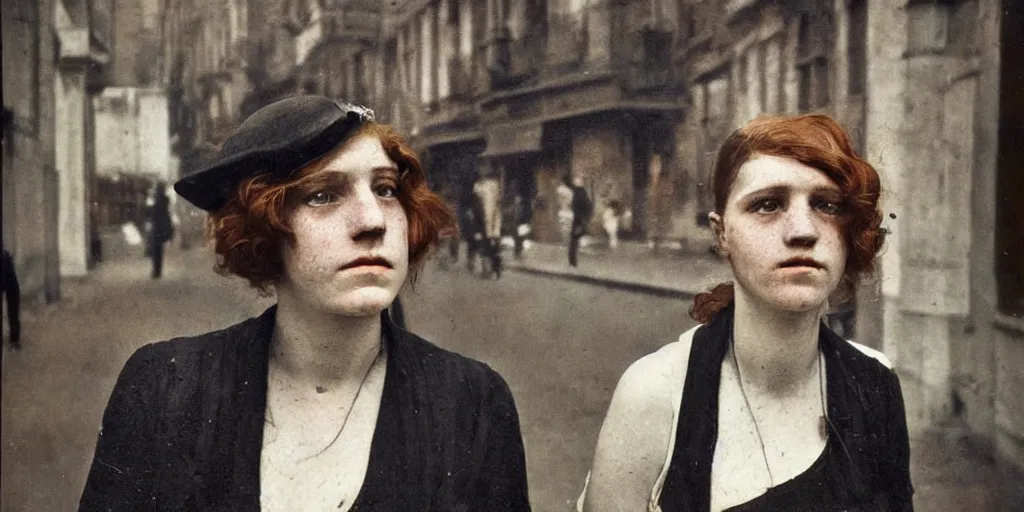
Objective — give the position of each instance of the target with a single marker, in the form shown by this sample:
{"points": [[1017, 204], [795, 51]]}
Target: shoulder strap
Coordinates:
{"points": [[677, 372], [687, 482]]}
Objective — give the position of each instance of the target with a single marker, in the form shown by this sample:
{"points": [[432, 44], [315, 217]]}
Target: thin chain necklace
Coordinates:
{"points": [[359, 390], [823, 428]]}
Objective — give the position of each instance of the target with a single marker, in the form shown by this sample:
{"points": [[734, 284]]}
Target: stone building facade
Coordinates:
{"points": [[61, 48], [537, 91], [30, 180], [636, 96]]}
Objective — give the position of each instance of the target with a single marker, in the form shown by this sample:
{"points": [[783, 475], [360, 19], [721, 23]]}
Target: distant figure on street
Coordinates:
{"points": [[161, 227], [610, 221], [582, 211], [488, 189], [762, 406], [12, 296], [451, 196], [471, 228], [520, 217], [322, 402]]}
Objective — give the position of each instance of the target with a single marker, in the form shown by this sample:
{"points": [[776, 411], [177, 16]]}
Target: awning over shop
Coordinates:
{"points": [[512, 139], [431, 141]]}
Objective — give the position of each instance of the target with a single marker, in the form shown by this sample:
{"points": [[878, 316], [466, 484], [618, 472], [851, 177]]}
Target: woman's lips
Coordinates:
{"points": [[367, 262], [802, 263]]}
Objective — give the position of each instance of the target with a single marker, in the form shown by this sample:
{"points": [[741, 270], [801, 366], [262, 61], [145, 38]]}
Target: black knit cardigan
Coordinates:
{"points": [[183, 429]]}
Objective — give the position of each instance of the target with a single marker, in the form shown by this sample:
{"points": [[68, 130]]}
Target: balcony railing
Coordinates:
{"points": [[644, 77]]}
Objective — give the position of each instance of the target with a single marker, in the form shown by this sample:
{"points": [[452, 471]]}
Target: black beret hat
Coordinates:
{"points": [[279, 138]]}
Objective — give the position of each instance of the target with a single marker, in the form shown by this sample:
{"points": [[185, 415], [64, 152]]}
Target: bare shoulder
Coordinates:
{"points": [[652, 379], [635, 435], [872, 353]]}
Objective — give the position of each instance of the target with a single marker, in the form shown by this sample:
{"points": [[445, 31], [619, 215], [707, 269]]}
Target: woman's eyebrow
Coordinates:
{"points": [[388, 169], [329, 177], [785, 189], [772, 190], [828, 189]]}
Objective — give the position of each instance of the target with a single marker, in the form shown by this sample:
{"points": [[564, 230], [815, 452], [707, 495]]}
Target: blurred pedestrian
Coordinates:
{"points": [[161, 227], [321, 402], [520, 216], [610, 221], [488, 189], [582, 211], [12, 296], [471, 227], [451, 197], [762, 406]]}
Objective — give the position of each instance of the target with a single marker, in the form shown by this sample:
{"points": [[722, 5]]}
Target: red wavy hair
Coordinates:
{"points": [[818, 141], [248, 231]]}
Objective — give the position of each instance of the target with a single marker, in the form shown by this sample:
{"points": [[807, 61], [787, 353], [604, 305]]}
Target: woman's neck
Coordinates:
{"points": [[322, 348], [777, 351]]}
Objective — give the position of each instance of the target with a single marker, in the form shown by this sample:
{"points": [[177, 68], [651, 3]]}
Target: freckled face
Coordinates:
{"points": [[782, 234], [350, 255]]}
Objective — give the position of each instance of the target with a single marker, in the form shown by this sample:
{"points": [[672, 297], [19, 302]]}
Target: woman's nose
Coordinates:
{"points": [[800, 226], [366, 215]]}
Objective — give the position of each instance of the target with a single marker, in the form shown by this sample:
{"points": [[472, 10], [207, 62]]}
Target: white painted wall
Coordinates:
{"points": [[134, 139]]}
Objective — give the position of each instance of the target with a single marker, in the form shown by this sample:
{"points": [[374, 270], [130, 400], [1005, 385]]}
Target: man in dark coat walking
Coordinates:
{"points": [[582, 210], [161, 229], [12, 296]]}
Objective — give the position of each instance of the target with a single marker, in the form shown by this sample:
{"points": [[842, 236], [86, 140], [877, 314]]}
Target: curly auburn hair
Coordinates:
{"points": [[248, 231], [817, 141]]}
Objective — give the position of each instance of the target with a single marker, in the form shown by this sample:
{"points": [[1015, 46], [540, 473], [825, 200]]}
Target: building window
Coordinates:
{"points": [[856, 46], [803, 33], [812, 64], [813, 78], [359, 76]]}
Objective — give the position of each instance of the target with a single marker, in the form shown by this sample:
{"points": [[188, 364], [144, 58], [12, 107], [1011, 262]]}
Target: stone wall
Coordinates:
{"points": [[29, 177]]}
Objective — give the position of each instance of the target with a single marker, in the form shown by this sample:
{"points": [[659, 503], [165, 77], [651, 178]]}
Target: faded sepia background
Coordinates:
{"points": [[104, 98]]}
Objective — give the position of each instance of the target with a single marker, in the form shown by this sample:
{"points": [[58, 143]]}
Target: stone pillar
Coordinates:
{"points": [[73, 227], [935, 272], [687, 144], [884, 128], [599, 34], [499, 39], [446, 45], [428, 49]]}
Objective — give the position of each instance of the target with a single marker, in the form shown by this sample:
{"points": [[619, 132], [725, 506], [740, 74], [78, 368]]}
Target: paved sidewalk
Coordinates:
{"points": [[631, 266]]}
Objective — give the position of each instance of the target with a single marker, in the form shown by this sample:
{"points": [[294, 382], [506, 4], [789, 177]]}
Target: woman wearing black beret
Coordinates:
{"points": [[322, 402]]}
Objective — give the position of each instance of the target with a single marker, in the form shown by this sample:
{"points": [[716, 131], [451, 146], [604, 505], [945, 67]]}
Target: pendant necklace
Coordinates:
{"points": [[823, 422]]}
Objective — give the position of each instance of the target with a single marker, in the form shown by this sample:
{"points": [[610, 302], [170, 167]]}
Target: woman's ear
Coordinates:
{"points": [[718, 230]]}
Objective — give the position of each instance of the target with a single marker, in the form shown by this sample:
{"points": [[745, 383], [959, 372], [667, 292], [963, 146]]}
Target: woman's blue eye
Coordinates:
{"points": [[320, 199]]}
